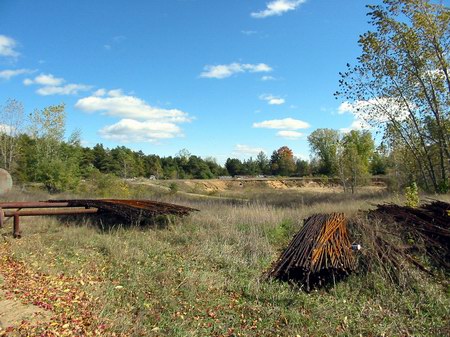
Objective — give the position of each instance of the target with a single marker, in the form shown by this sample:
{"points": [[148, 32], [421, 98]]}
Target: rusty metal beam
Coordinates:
{"points": [[32, 204], [38, 212]]}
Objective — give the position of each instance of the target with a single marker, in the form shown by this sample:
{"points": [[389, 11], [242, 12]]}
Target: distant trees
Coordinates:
{"points": [[356, 150], [402, 82], [12, 121], [42, 154], [323, 144], [282, 162]]}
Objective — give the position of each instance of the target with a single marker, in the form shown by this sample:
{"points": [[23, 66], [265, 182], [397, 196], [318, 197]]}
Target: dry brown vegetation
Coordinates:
{"points": [[201, 276]]}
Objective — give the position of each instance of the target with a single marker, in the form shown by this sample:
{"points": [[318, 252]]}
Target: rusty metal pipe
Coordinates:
{"points": [[2, 217], [39, 212], [33, 204], [16, 228]]}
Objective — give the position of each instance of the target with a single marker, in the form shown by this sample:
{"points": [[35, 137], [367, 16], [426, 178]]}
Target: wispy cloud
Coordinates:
{"points": [[357, 124], [226, 70], [51, 85], [378, 109], [272, 100], [267, 78], [249, 32], [10, 73], [116, 40], [140, 122], [7, 47], [287, 134], [277, 7], [284, 124], [247, 150]]}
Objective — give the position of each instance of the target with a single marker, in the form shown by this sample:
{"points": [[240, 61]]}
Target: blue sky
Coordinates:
{"points": [[222, 78]]}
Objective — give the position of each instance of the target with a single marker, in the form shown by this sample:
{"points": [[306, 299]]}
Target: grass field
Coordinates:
{"points": [[203, 275]]}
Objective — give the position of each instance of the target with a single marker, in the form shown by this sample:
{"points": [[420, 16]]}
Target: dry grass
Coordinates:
{"points": [[201, 276]]}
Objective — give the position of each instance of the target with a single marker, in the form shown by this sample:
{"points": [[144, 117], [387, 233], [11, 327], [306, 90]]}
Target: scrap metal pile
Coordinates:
{"points": [[130, 210], [425, 228], [117, 210], [321, 252]]}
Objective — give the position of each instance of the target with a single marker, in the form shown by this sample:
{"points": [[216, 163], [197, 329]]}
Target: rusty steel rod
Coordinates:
{"points": [[68, 211], [32, 204], [2, 218]]}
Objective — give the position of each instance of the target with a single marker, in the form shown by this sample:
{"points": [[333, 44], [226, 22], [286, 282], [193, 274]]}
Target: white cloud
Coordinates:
{"points": [[51, 85], [272, 100], [48, 79], [226, 70], [100, 92], [267, 78], [129, 130], [277, 7], [249, 32], [115, 103], [139, 122], [286, 124], [68, 89], [378, 109], [5, 128], [246, 150], [7, 46], [10, 73], [357, 124], [293, 135]]}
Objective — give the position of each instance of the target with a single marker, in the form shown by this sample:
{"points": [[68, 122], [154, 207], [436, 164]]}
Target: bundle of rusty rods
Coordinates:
{"points": [[319, 251], [133, 211], [427, 225]]}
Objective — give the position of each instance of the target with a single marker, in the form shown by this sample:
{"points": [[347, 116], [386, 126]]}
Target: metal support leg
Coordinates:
{"points": [[2, 217], [16, 231]]}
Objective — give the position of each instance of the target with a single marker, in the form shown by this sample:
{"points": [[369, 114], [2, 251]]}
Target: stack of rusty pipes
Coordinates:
{"points": [[17, 209]]}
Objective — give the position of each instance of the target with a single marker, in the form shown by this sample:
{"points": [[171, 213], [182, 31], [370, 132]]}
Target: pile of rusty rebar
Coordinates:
{"points": [[427, 227], [130, 209], [319, 253]]}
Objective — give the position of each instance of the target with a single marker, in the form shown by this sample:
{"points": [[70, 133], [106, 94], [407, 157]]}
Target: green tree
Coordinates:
{"points": [[402, 83], [355, 154], [234, 166], [282, 161], [324, 143], [263, 163], [11, 124]]}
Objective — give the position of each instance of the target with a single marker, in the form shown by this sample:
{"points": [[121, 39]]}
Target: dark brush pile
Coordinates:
{"points": [[131, 211], [318, 254], [423, 228]]}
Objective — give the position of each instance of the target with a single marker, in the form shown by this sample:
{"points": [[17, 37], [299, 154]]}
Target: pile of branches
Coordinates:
{"points": [[317, 255], [425, 229]]}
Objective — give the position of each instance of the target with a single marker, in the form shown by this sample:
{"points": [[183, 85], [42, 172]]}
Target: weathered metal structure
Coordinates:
{"points": [[133, 211]]}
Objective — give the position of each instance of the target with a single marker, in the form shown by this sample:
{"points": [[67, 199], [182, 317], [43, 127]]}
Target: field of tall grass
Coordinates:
{"points": [[203, 275]]}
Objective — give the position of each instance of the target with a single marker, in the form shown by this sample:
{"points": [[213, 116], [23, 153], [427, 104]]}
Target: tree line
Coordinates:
{"points": [[34, 149]]}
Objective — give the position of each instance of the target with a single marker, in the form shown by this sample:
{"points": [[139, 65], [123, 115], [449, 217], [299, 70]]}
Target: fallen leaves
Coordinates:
{"points": [[71, 308]]}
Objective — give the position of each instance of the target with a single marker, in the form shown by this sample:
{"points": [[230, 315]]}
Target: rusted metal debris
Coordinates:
{"points": [[132, 211], [321, 252], [427, 227]]}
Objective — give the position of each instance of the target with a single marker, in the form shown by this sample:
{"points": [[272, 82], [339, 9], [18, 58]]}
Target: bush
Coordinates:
{"points": [[412, 195]]}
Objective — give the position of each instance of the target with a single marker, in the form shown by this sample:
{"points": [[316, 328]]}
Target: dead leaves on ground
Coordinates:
{"points": [[72, 310]]}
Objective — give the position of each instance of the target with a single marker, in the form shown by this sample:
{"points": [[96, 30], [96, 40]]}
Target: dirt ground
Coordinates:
{"points": [[13, 312]]}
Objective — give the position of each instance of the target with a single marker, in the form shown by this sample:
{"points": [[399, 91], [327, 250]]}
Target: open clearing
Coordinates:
{"points": [[202, 275]]}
